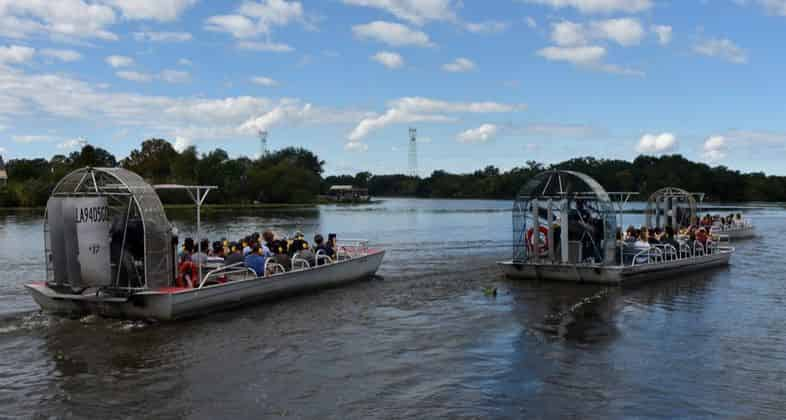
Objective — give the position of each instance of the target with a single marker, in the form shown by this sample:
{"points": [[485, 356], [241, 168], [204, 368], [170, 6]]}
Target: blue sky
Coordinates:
{"points": [[484, 82]]}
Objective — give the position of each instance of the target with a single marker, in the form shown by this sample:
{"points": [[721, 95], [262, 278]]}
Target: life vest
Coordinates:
{"points": [[187, 275], [544, 244]]}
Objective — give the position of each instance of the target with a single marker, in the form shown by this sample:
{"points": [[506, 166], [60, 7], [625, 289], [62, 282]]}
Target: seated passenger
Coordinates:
{"points": [[234, 256], [187, 274], [298, 244], [200, 256], [268, 237], [702, 236], [279, 251], [256, 261], [188, 249], [326, 248], [247, 246]]}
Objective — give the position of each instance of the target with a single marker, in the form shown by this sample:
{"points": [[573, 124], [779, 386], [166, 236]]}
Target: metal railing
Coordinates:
{"points": [[666, 253], [351, 248], [227, 270]]}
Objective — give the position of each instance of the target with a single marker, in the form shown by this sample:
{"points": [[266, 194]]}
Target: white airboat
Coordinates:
{"points": [[110, 251], [565, 229]]}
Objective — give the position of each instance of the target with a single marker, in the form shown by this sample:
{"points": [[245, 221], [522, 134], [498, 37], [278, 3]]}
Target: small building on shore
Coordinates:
{"points": [[347, 194], [3, 173]]}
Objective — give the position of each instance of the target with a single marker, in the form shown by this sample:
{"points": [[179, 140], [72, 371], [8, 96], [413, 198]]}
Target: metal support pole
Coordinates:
{"points": [[550, 236], [535, 242], [564, 226]]}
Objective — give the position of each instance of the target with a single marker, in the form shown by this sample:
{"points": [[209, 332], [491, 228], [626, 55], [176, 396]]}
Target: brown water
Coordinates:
{"points": [[422, 340]]}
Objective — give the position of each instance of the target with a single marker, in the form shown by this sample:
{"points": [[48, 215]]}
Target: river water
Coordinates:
{"points": [[421, 340]]}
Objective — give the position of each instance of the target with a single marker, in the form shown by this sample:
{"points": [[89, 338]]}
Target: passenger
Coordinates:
{"points": [[218, 250], [701, 236], [320, 245], [186, 273], [630, 234], [644, 235], [298, 244], [188, 249], [234, 256], [656, 237], [247, 245], [256, 261], [200, 256], [268, 237], [280, 255]]}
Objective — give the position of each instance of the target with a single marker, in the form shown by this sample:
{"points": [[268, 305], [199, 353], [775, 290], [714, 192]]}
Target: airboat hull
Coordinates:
{"points": [[176, 303], [612, 275]]}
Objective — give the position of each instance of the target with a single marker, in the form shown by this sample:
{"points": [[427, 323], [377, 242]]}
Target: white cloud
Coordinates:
{"points": [[182, 143], [586, 56], [482, 134], [16, 54], [118, 61], [459, 65], [27, 139], [657, 143], [721, 48], [624, 31], [265, 46], [419, 109], [356, 147], [60, 20], [174, 76], [531, 22], [715, 148], [663, 32], [134, 76], [774, 7], [576, 55], [163, 36], [489, 26], [598, 6], [394, 34], [294, 113], [160, 10], [253, 20], [264, 81], [70, 144], [389, 59], [184, 62], [416, 12], [62, 55]]}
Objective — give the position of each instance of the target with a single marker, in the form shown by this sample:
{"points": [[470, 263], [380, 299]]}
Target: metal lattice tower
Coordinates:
{"points": [[263, 142], [413, 152]]}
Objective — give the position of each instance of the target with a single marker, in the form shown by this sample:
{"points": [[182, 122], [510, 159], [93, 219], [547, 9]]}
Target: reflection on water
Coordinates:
{"points": [[421, 341]]}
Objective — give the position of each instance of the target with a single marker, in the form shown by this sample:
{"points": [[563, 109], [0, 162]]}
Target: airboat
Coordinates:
{"points": [[742, 229], [111, 251], [565, 228]]}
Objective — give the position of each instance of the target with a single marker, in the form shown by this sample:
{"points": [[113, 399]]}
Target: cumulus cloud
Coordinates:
{"points": [[258, 19], [586, 56], [394, 34], [663, 32], [531, 22], [715, 148], [721, 48], [657, 143], [152, 36], [482, 134], [60, 20], [174, 76], [598, 6], [16, 54], [264, 81], [62, 55], [459, 65], [624, 31], [416, 12], [419, 109], [70, 144], [27, 139], [182, 143], [356, 147], [389, 59], [134, 76], [118, 61], [160, 10]]}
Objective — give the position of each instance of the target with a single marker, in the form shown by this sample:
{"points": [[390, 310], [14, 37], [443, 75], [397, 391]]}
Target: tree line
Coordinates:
{"points": [[295, 175]]}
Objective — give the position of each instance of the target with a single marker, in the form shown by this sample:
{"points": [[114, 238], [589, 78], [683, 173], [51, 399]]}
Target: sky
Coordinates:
{"points": [[484, 83]]}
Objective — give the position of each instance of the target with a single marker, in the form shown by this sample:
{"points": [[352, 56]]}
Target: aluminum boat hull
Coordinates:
{"points": [[615, 275], [170, 304]]}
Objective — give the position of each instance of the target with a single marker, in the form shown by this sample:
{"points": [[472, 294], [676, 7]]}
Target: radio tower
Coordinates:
{"points": [[263, 142], [413, 152]]}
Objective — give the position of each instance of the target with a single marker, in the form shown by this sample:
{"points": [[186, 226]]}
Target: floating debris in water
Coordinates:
{"points": [[490, 291]]}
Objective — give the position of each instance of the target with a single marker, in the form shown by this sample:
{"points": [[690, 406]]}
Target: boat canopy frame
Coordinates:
{"points": [[556, 199], [672, 206], [129, 197]]}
